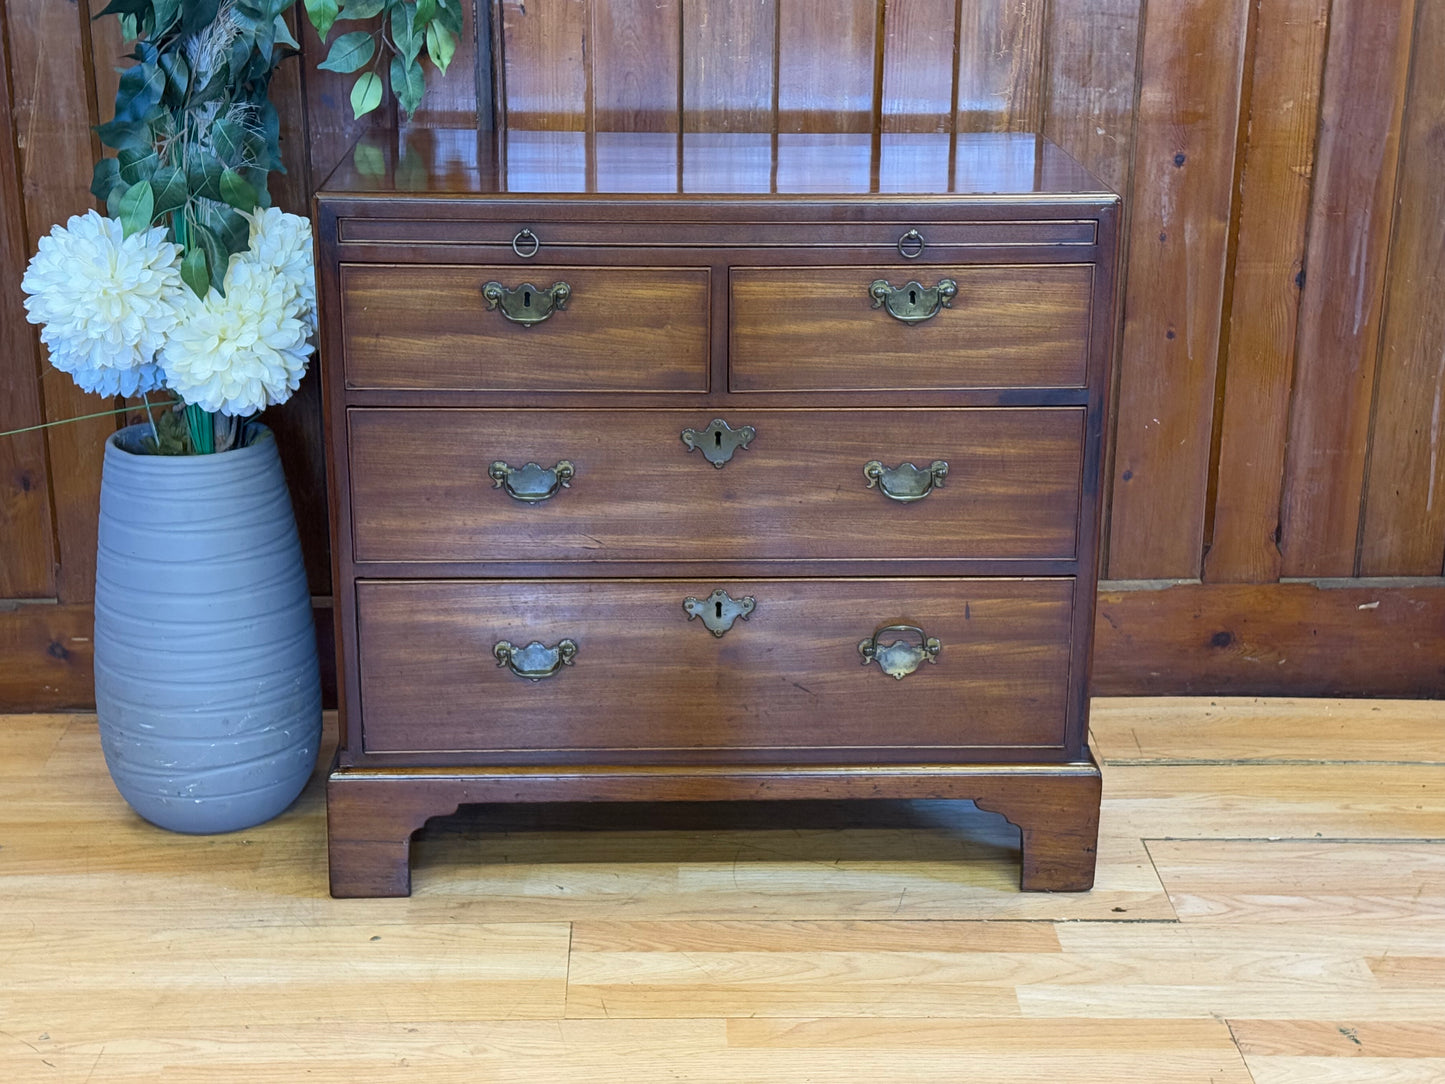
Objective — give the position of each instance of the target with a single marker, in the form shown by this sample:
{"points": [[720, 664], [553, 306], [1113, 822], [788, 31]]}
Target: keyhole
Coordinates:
{"points": [[717, 443], [913, 297], [527, 299], [717, 606]]}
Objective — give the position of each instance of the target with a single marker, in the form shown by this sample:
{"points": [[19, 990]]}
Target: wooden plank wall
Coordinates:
{"points": [[1281, 371]]}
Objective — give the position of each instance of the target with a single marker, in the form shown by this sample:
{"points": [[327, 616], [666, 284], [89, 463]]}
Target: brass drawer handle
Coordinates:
{"points": [[901, 657], [905, 483], [719, 610], [913, 302], [532, 483], [718, 441], [527, 304], [535, 661]]}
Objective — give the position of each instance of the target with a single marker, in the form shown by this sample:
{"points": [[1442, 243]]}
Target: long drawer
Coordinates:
{"points": [[424, 488], [645, 681], [823, 329], [618, 329]]}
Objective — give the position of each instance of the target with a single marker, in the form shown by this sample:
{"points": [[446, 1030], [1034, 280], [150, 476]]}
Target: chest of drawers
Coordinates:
{"points": [[665, 477]]}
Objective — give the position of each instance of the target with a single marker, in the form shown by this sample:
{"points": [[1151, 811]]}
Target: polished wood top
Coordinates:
{"points": [[457, 162]]}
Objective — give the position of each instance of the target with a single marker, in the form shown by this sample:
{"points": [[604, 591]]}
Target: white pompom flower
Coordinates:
{"points": [[106, 302], [238, 353], [282, 241]]}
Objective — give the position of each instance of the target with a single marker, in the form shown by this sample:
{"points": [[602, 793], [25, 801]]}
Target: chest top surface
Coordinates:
{"points": [[755, 167]]}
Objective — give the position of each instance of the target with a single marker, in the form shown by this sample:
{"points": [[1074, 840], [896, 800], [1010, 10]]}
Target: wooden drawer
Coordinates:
{"points": [[428, 327], [815, 329], [649, 684], [420, 488]]}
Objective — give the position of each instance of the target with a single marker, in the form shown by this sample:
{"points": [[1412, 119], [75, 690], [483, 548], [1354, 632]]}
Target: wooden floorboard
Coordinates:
{"points": [[1270, 908]]}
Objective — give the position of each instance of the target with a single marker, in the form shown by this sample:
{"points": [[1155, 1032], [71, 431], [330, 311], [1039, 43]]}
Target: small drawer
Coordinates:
{"points": [[429, 327], [823, 329], [641, 681], [632, 490]]}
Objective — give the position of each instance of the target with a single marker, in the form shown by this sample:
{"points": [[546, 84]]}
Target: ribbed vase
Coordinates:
{"points": [[206, 680]]}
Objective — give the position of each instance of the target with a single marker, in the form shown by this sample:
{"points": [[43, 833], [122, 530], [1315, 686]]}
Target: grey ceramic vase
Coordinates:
{"points": [[206, 680]]}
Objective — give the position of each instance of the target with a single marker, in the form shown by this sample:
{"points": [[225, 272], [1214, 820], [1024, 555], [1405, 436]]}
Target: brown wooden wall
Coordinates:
{"points": [[1282, 348]]}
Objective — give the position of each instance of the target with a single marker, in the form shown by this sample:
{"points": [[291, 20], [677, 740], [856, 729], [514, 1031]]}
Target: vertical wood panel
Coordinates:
{"points": [[918, 65], [1091, 52], [727, 65], [826, 65], [635, 65], [1274, 207], [26, 545], [1404, 532], [544, 58], [1183, 182], [48, 79], [451, 99], [1364, 89], [999, 65], [331, 129]]}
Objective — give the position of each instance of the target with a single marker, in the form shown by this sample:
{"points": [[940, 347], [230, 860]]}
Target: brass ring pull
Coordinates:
{"points": [[535, 661], [905, 483], [913, 302], [718, 441], [527, 304], [532, 483], [910, 245], [528, 240], [719, 610], [899, 658]]}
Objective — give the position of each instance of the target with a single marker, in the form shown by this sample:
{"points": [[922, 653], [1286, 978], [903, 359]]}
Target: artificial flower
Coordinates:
{"points": [[106, 302], [282, 241], [239, 352]]}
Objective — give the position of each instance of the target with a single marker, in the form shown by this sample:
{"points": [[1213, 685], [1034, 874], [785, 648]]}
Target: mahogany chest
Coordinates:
{"points": [[714, 467]]}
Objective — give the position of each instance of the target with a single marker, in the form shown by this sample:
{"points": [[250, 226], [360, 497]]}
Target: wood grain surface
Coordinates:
{"points": [[622, 330], [1000, 56], [797, 491], [768, 943], [1009, 326], [650, 684], [1357, 161], [826, 89]]}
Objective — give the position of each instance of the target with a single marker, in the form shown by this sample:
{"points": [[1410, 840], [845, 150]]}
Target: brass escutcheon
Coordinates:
{"points": [[905, 483], [527, 304], [532, 483], [719, 610], [899, 658], [913, 302], [718, 441], [535, 661]]}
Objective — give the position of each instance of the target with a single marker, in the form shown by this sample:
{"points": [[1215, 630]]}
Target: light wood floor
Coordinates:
{"points": [[1270, 908]]}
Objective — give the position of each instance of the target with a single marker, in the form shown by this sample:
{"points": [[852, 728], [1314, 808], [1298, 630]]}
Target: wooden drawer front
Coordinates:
{"points": [[429, 327], [815, 329], [647, 682], [421, 492]]}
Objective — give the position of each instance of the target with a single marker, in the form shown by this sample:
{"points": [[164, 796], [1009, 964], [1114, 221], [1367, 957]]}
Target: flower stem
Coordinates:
{"points": [[203, 434], [67, 421]]}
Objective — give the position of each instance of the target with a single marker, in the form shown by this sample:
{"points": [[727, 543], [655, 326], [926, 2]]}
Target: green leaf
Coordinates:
{"points": [[178, 74], [449, 14], [217, 258], [203, 178], [426, 11], [137, 163], [196, 15], [362, 9], [350, 52], [440, 45], [166, 12], [229, 140], [136, 208], [283, 34], [194, 273], [403, 31], [365, 94], [322, 14], [169, 186], [104, 177], [237, 191], [407, 83]]}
